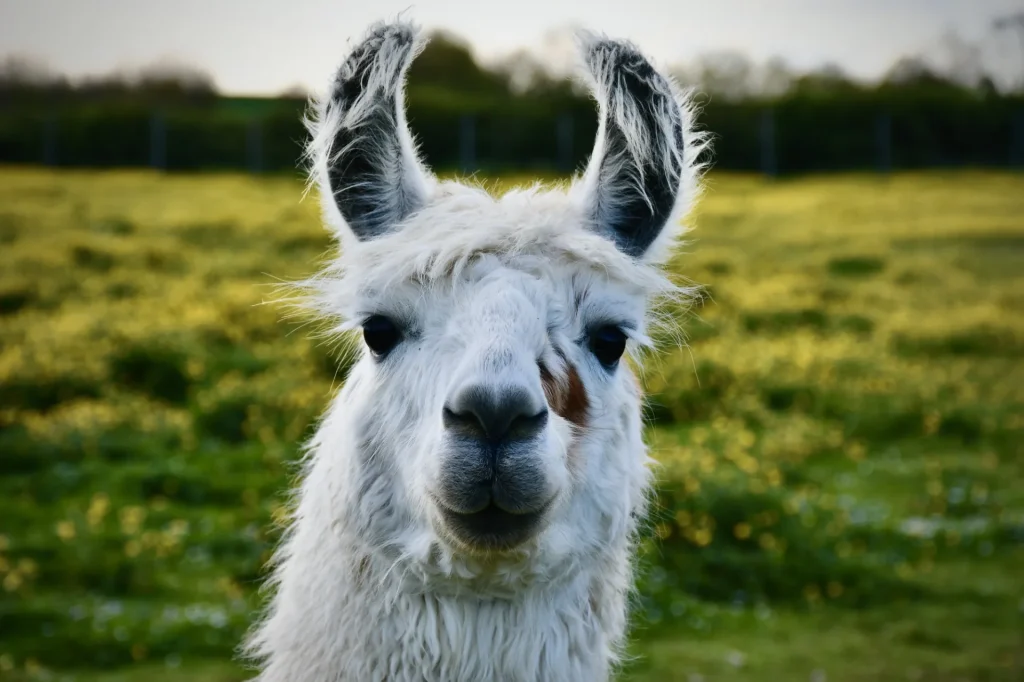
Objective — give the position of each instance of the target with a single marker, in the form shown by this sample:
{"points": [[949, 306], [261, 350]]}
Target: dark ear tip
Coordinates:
{"points": [[607, 56], [401, 32], [610, 51], [620, 64], [395, 40]]}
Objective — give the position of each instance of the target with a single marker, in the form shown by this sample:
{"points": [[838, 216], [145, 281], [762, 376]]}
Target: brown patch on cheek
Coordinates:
{"points": [[551, 389], [567, 398], [576, 403]]}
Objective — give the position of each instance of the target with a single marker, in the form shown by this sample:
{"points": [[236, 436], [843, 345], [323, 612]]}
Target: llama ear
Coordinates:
{"points": [[363, 154], [641, 176]]}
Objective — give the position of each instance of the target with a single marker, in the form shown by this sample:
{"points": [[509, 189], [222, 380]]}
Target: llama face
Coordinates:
{"points": [[493, 402], [481, 386]]}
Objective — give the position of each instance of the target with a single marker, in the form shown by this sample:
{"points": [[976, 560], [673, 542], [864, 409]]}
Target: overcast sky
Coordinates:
{"points": [[266, 46]]}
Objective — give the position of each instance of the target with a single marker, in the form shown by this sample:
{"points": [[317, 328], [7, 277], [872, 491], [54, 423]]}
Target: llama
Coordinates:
{"points": [[469, 503]]}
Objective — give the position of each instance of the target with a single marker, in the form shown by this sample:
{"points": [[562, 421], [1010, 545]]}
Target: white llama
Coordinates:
{"points": [[470, 501]]}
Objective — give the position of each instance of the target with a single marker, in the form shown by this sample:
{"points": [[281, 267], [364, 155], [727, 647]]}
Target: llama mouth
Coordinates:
{"points": [[492, 528]]}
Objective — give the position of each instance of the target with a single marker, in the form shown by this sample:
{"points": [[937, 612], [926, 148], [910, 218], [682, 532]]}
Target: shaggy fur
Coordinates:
{"points": [[370, 583]]}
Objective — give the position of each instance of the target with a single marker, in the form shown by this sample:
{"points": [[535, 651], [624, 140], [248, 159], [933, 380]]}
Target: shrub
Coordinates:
{"points": [[856, 266], [153, 369]]}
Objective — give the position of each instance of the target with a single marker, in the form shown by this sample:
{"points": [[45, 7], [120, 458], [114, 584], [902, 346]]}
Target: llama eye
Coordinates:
{"points": [[608, 343], [381, 335]]}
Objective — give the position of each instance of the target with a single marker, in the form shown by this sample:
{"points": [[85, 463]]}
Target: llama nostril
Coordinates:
{"points": [[495, 416], [524, 427], [455, 420]]}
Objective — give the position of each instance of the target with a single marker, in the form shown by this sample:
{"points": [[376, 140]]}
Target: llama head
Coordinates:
{"points": [[492, 409]]}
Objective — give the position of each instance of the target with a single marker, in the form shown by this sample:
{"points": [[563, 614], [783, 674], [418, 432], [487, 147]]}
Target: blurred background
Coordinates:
{"points": [[841, 494]]}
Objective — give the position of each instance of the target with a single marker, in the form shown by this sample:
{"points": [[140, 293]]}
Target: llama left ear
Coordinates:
{"points": [[363, 154], [641, 176]]}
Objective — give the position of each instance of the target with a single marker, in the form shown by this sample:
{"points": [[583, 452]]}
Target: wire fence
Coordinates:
{"points": [[765, 140]]}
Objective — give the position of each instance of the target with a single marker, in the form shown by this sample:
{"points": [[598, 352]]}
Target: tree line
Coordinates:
{"points": [[515, 115]]}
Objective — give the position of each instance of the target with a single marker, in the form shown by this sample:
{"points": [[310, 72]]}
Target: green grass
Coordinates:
{"points": [[842, 489]]}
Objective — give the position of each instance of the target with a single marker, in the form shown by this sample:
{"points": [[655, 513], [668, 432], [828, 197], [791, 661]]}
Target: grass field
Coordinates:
{"points": [[842, 496]]}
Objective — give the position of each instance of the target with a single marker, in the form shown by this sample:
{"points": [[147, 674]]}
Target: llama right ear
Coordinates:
{"points": [[363, 154], [642, 174]]}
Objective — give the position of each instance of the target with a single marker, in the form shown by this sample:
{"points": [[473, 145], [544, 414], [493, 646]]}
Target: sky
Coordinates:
{"points": [[266, 46]]}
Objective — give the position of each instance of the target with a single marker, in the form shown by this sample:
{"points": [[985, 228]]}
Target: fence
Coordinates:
{"points": [[769, 139]]}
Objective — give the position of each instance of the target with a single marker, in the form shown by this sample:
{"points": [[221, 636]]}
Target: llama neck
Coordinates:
{"points": [[345, 612], [541, 633], [357, 618]]}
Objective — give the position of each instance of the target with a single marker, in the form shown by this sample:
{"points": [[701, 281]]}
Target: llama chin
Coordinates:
{"points": [[469, 503]]}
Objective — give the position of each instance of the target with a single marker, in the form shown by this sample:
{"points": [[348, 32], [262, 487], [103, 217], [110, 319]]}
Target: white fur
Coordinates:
{"points": [[369, 584]]}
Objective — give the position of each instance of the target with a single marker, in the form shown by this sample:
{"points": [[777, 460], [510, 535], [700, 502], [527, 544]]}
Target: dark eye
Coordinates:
{"points": [[381, 335], [608, 343]]}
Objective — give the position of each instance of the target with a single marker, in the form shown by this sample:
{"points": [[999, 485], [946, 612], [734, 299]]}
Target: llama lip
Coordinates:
{"points": [[491, 528]]}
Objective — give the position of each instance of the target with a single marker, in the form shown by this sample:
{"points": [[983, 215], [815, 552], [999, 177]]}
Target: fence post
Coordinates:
{"points": [[1017, 141], [467, 143], [565, 132], [883, 142], [769, 163], [50, 140], [158, 141], [254, 145]]}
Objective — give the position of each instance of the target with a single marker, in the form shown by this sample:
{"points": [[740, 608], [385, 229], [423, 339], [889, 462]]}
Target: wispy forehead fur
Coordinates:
{"points": [[463, 223]]}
